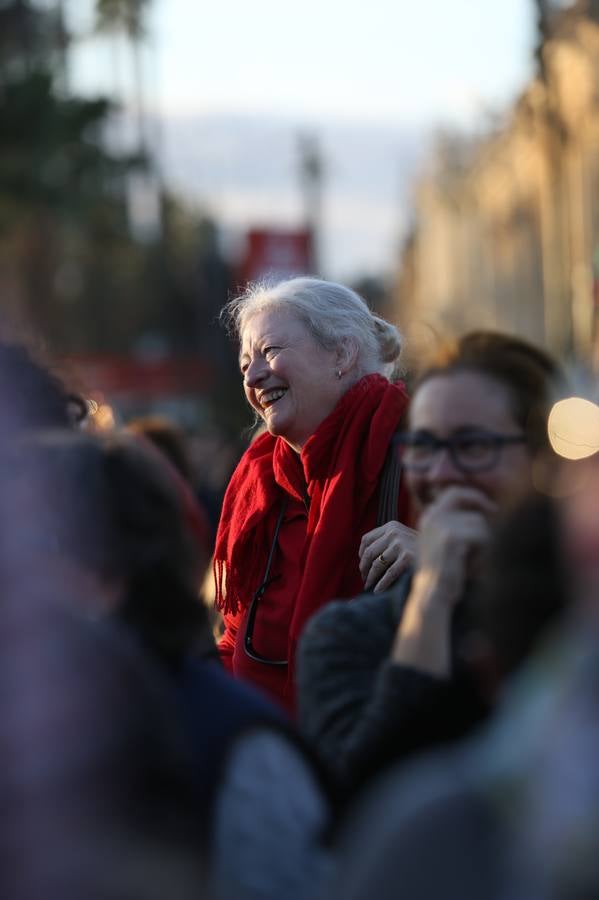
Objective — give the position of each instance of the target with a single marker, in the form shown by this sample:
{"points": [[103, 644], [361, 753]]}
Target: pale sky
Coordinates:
{"points": [[392, 65], [381, 59], [386, 60]]}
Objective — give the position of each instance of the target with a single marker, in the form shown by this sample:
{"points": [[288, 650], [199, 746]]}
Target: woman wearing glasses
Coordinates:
{"points": [[387, 674], [315, 363]]}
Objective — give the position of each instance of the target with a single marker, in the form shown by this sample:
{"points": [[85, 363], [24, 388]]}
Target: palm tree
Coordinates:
{"points": [[128, 17]]}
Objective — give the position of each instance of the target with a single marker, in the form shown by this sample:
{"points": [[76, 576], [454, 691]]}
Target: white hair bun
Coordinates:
{"points": [[388, 338]]}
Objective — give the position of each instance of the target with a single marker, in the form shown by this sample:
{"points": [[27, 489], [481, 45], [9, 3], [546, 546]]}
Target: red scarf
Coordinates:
{"points": [[340, 468]]}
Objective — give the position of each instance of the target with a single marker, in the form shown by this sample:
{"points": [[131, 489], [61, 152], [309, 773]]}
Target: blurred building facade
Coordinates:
{"points": [[506, 227]]}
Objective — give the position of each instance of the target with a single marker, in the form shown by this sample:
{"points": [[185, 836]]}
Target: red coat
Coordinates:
{"points": [[332, 489]]}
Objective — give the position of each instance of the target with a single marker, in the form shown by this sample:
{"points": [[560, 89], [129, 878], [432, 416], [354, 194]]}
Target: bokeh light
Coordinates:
{"points": [[573, 428]]}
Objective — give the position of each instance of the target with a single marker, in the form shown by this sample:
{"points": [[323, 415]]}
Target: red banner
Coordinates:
{"points": [[276, 253]]}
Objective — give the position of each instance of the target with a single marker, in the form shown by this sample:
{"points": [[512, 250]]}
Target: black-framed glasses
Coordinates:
{"points": [[470, 451], [248, 638]]}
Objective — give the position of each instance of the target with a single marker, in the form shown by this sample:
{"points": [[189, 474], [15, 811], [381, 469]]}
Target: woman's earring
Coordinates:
{"points": [[338, 373]]}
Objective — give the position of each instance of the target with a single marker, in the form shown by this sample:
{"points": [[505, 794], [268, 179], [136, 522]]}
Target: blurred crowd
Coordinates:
{"points": [[427, 727]]}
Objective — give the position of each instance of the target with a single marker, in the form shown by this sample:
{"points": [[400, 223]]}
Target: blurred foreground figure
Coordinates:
{"points": [[97, 793], [35, 398], [512, 814], [97, 787], [140, 572], [115, 533]]}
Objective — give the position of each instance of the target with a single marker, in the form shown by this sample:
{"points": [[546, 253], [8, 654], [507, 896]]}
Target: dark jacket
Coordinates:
{"points": [[217, 710], [359, 709]]}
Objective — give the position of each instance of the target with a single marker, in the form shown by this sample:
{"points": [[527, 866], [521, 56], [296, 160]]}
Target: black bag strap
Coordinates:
{"points": [[390, 482], [390, 485], [266, 580], [273, 545]]}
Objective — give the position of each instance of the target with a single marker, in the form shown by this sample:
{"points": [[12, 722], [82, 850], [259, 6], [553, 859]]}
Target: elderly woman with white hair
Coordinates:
{"points": [[314, 510]]}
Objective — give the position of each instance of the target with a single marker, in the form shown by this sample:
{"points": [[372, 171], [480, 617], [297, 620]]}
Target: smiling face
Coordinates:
{"points": [[288, 377], [446, 405]]}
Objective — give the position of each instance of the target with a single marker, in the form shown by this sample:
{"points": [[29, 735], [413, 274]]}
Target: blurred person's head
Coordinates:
{"points": [[489, 395], [303, 343], [33, 396], [110, 519], [61, 526], [168, 437]]}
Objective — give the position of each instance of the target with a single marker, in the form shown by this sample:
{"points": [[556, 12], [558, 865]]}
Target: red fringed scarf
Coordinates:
{"points": [[340, 467]]}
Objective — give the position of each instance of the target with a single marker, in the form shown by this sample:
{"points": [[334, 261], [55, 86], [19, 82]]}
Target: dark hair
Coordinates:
{"points": [[32, 396], [58, 483], [110, 505], [168, 437], [159, 560], [530, 376]]}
